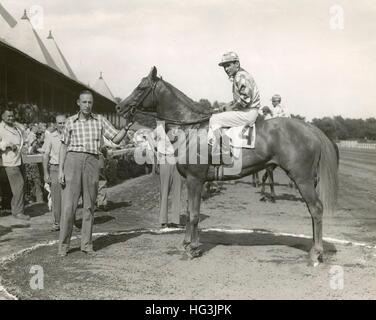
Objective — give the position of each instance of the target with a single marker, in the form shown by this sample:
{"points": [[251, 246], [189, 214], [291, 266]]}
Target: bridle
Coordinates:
{"points": [[134, 108], [129, 114]]}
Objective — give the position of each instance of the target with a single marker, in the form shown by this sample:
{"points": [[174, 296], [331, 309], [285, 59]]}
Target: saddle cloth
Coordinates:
{"points": [[238, 139]]}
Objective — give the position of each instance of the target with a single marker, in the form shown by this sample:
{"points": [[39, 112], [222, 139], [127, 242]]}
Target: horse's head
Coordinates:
{"points": [[142, 98]]}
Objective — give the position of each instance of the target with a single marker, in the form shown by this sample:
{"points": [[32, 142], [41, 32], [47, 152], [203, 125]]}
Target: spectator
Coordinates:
{"points": [[51, 149], [278, 109], [11, 142]]}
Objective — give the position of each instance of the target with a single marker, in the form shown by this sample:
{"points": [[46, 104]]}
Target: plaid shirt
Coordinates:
{"points": [[85, 135], [245, 92]]}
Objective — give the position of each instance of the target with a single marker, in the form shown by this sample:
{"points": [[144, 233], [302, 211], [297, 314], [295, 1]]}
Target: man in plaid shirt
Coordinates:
{"points": [[79, 168], [243, 110]]}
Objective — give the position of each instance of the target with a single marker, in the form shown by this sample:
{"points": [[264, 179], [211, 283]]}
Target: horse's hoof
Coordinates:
{"points": [[184, 245], [194, 253], [263, 199], [316, 257], [272, 200]]}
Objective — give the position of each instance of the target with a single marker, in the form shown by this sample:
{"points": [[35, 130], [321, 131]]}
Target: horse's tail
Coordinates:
{"points": [[328, 172]]}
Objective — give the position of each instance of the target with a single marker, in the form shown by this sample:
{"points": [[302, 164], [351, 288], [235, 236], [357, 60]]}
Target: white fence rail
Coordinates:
{"points": [[357, 145]]}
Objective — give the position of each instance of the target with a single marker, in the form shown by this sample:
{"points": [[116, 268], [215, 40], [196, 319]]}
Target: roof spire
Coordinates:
{"points": [[100, 75], [50, 36], [25, 17]]}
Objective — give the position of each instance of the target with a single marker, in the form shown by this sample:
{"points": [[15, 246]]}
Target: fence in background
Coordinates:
{"points": [[356, 145]]}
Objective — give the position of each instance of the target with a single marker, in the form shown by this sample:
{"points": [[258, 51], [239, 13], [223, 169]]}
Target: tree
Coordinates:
{"points": [[326, 125], [297, 116], [118, 100], [205, 103]]}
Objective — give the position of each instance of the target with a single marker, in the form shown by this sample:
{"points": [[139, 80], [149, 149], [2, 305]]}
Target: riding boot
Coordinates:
{"points": [[216, 148], [226, 150], [221, 151]]}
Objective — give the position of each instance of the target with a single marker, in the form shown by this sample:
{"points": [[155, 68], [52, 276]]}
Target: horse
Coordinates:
{"points": [[300, 149]]}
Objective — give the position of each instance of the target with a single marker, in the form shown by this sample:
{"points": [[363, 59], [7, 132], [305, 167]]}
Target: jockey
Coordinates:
{"points": [[243, 110], [278, 110]]}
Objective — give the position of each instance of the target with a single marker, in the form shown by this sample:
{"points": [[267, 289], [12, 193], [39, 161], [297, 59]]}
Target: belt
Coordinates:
{"points": [[88, 153]]}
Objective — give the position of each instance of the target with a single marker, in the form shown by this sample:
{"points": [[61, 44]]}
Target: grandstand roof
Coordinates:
{"points": [[20, 35], [58, 57], [23, 37], [101, 87]]}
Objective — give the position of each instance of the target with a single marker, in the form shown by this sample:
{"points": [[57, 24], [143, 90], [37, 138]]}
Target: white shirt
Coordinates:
{"points": [[279, 111], [11, 136]]}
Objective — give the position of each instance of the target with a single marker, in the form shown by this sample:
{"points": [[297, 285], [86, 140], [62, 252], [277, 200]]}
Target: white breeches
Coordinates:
{"points": [[231, 119]]}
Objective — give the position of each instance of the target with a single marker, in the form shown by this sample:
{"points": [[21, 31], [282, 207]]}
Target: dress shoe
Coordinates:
{"points": [[89, 252], [175, 225], [21, 216]]}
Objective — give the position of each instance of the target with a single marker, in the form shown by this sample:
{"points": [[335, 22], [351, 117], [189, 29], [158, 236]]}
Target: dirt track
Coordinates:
{"points": [[267, 261]]}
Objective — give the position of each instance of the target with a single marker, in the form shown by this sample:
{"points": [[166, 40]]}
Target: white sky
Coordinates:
{"points": [[287, 45]]}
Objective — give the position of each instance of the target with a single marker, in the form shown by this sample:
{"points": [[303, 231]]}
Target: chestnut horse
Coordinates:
{"points": [[300, 149]]}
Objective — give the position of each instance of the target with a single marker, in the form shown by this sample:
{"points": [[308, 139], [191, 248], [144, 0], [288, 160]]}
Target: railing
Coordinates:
{"points": [[38, 158], [356, 145]]}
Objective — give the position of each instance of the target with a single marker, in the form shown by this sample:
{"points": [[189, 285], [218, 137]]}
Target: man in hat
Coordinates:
{"points": [[278, 110], [243, 109]]}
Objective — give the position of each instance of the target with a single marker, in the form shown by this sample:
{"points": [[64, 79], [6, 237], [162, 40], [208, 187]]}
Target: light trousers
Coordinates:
{"points": [[170, 183], [81, 172]]}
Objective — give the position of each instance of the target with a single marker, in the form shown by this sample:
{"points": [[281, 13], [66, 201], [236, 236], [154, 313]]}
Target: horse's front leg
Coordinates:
{"points": [[194, 200]]}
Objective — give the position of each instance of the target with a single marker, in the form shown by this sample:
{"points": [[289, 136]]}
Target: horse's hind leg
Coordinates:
{"points": [[255, 180], [191, 240], [271, 183], [263, 180], [311, 198]]}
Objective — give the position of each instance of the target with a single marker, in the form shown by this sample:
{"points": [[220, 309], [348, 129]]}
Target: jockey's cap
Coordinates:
{"points": [[228, 57], [276, 97]]}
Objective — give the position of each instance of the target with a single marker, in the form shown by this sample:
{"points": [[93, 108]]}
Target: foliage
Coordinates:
{"points": [[297, 116], [350, 129]]}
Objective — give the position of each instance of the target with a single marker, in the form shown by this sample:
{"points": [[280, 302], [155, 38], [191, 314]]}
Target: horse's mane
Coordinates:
{"points": [[193, 105]]}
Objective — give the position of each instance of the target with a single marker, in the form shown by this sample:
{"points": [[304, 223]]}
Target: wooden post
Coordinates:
{"points": [[6, 84], [26, 88]]}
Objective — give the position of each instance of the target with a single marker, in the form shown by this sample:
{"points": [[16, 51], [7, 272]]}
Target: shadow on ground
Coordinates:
{"points": [[97, 220], [211, 239], [37, 209], [283, 196], [117, 205]]}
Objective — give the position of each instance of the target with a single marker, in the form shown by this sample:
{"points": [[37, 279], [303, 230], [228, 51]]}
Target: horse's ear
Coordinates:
{"points": [[153, 74]]}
